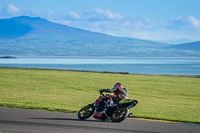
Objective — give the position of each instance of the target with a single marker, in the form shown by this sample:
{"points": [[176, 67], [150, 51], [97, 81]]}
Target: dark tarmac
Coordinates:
{"points": [[14, 120]]}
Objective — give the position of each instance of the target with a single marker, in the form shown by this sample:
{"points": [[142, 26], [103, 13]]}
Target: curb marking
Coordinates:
{"points": [[155, 120]]}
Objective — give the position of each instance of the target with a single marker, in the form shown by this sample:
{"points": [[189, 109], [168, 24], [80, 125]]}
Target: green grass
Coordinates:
{"points": [[175, 98]]}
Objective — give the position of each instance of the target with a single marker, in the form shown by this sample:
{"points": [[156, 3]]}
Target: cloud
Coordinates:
{"points": [[74, 15], [178, 28], [94, 15], [195, 22], [108, 14], [184, 23], [12, 10]]}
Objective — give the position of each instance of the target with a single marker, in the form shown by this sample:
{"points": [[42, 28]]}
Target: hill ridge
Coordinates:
{"points": [[34, 36]]}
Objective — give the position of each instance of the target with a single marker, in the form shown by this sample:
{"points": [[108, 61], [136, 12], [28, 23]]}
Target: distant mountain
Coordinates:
{"points": [[187, 46], [34, 36], [13, 29]]}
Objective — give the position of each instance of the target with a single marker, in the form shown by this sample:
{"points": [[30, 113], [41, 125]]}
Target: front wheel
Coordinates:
{"points": [[119, 114], [86, 112]]}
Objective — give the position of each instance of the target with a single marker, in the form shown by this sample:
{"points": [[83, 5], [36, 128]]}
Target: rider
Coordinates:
{"points": [[119, 92]]}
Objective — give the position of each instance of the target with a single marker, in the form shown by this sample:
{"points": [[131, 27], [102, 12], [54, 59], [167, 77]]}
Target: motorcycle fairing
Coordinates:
{"points": [[99, 115], [99, 100], [128, 103], [125, 101]]}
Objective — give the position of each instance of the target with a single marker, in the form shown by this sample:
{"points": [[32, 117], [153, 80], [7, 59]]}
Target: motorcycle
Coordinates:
{"points": [[104, 108]]}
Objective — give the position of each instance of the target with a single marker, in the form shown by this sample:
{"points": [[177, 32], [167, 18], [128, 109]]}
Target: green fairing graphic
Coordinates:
{"points": [[126, 100]]}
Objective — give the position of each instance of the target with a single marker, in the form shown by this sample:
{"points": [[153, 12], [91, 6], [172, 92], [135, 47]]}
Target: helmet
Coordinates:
{"points": [[117, 85]]}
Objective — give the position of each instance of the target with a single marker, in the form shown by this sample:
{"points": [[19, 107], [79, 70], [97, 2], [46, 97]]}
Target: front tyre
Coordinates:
{"points": [[119, 114], [86, 112]]}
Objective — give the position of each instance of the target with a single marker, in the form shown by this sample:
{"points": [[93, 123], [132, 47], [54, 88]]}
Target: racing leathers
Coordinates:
{"points": [[119, 93]]}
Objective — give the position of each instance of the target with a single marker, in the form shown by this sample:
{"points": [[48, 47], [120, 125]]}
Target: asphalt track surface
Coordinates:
{"points": [[14, 120]]}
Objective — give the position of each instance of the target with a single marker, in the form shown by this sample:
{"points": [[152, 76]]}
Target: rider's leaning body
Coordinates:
{"points": [[119, 92]]}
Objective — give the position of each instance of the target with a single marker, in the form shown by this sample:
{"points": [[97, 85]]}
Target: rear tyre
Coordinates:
{"points": [[86, 112], [119, 115]]}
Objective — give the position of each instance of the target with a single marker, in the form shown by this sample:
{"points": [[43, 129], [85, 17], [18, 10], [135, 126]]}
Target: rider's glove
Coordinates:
{"points": [[101, 91]]}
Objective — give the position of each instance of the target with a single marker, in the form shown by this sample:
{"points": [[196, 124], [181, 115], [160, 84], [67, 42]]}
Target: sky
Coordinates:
{"points": [[169, 21]]}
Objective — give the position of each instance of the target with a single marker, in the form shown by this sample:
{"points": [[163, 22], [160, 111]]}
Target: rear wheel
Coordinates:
{"points": [[119, 115], [86, 112]]}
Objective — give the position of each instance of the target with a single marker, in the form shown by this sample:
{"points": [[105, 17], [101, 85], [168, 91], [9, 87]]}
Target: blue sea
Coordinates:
{"points": [[168, 66]]}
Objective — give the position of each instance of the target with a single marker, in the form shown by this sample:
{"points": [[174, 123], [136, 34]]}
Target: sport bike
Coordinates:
{"points": [[104, 108]]}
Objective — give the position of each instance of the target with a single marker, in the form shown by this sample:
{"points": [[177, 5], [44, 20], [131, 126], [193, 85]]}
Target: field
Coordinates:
{"points": [[175, 98]]}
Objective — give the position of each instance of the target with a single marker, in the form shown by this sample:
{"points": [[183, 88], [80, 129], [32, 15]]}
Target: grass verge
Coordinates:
{"points": [[173, 98]]}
